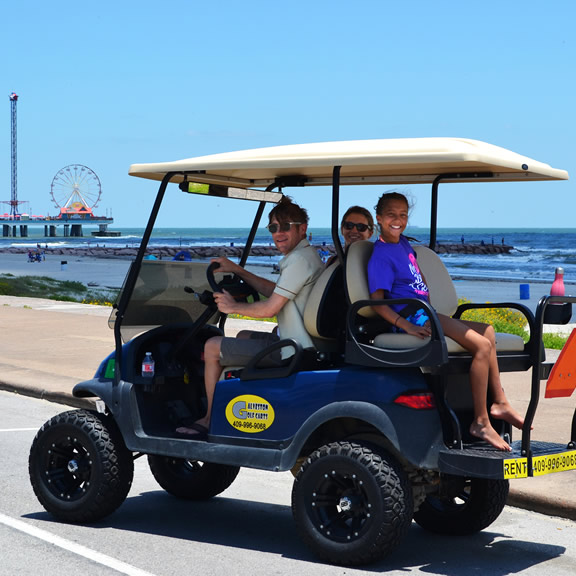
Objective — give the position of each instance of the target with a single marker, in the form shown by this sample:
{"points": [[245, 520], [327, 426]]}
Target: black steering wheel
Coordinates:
{"points": [[232, 283]]}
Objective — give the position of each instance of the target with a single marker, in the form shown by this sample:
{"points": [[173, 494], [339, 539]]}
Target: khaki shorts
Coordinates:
{"points": [[239, 351]]}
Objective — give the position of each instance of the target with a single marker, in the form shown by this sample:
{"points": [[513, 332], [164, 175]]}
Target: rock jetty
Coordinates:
{"points": [[473, 248], [206, 252]]}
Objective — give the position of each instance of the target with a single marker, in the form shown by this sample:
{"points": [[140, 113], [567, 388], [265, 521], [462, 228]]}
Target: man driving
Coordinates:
{"points": [[299, 269]]}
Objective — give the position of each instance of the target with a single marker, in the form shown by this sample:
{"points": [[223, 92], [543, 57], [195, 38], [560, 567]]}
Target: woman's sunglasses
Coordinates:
{"points": [[283, 226], [358, 225]]}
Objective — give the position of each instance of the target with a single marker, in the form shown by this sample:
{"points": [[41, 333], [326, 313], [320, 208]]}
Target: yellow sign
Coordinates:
{"points": [[250, 413], [518, 467], [515, 468], [554, 463]]}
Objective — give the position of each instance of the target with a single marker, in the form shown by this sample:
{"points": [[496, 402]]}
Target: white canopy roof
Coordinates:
{"points": [[397, 161]]}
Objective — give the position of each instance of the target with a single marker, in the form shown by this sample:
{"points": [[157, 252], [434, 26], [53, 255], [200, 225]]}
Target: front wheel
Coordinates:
{"points": [[79, 466], [351, 505], [191, 479], [463, 505]]}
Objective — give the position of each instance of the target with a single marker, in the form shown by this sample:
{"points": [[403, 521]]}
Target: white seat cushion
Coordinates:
{"points": [[390, 341]]}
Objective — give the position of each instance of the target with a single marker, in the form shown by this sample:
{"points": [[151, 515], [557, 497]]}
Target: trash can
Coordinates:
{"points": [[64, 265], [524, 291]]}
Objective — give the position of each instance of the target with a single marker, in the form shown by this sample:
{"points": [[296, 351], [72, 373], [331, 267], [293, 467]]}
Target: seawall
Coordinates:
{"points": [[204, 252]]}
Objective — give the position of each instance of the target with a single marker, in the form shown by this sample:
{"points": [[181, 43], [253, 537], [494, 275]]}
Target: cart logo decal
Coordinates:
{"points": [[250, 414]]}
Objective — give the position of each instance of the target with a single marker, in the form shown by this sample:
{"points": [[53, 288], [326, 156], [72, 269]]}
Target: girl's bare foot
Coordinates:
{"points": [[487, 433], [503, 411]]}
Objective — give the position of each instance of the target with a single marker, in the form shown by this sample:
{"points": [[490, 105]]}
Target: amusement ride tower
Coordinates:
{"points": [[14, 191]]}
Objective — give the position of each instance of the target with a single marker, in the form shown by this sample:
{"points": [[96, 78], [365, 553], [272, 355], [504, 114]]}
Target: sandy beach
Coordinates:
{"points": [[110, 273]]}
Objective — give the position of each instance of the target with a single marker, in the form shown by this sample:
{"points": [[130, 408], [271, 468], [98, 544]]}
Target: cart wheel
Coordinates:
{"points": [[463, 505], [79, 466], [351, 505], [191, 479]]}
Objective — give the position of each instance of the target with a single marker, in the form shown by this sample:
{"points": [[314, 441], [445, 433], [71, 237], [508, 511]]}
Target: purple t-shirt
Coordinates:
{"points": [[394, 269]]}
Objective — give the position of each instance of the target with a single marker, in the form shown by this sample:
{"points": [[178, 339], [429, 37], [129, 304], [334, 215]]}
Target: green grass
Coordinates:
{"points": [[511, 321], [45, 287], [554, 341]]}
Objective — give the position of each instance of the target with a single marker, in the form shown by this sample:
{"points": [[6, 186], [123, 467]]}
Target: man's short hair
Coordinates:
{"points": [[288, 211]]}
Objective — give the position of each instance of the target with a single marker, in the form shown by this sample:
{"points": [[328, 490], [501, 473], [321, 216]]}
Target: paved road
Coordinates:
{"points": [[246, 531]]}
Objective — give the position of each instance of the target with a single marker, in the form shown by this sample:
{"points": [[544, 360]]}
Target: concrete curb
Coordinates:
{"points": [[49, 396], [541, 504]]}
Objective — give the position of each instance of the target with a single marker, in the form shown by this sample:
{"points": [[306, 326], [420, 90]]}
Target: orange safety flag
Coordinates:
{"points": [[562, 380]]}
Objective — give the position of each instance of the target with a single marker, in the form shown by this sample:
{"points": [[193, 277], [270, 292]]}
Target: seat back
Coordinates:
{"points": [[325, 310], [357, 259], [443, 297]]}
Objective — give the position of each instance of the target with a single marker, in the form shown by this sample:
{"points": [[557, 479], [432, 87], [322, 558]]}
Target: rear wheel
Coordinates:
{"points": [[191, 479], [351, 505], [79, 466], [463, 505]]}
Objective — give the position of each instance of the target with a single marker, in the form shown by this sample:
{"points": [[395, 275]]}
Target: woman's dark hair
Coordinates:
{"points": [[358, 210], [288, 211]]}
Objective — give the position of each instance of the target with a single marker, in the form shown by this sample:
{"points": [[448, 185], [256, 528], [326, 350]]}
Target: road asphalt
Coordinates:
{"points": [[48, 347]]}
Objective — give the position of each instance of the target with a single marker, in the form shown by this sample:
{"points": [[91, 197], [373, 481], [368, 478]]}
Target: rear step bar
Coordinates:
{"points": [[484, 461]]}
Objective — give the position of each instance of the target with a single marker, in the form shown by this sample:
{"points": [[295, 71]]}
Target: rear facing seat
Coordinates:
{"points": [[443, 299]]}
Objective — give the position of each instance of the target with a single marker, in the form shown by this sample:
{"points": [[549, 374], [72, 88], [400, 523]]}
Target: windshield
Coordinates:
{"points": [[166, 292]]}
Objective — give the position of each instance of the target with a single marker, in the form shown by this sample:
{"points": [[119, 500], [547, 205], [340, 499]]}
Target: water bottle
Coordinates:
{"points": [[558, 284], [148, 366]]}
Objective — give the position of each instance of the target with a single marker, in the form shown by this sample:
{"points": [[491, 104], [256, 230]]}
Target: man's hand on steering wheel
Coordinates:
{"points": [[225, 302], [234, 285]]}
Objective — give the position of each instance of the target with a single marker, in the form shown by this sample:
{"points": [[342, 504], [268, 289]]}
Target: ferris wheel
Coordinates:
{"points": [[76, 186]]}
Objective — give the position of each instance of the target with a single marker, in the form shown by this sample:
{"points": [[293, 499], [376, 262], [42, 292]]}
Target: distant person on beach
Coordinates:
{"points": [[286, 299], [357, 224], [393, 273]]}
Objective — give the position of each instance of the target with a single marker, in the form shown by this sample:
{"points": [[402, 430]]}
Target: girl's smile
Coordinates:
{"points": [[393, 220]]}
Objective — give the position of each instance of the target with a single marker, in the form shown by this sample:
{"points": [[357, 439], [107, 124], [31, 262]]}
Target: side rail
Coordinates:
{"points": [[550, 310], [512, 361], [369, 344], [279, 360]]}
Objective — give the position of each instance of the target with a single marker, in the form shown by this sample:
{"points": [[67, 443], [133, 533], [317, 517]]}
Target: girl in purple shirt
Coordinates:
{"points": [[393, 273]]}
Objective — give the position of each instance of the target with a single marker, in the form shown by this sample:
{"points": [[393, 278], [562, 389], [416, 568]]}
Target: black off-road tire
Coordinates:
{"points": [[191, 479], [463, 505], [351, 505], [79, 466]]}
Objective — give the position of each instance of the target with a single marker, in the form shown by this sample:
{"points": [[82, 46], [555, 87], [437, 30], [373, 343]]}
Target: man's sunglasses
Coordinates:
{"points": [[282, 227], [358, 225]]}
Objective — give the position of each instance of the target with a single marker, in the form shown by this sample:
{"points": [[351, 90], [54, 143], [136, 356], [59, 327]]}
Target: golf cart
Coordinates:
{"points": [[373, 425]]}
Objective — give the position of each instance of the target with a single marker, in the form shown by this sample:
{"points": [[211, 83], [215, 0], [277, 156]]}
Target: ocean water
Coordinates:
{"points": [[536, 252]]}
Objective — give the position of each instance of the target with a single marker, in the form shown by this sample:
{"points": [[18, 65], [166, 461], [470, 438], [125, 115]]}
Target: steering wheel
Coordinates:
{"points": [[233, 284]]}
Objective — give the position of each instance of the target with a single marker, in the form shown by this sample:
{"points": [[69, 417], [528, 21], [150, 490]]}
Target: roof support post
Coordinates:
{"points": [[335, 210], [133, 272], [434, 213], [434, 202]]}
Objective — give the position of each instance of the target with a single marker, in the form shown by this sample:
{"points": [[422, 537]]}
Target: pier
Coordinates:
{"points": [[71, 227]]}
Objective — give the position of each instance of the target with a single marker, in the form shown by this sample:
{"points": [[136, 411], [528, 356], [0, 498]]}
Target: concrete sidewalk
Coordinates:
{"points": [[47, 347]]}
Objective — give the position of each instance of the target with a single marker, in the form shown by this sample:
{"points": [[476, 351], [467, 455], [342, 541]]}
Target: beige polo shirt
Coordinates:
{"points": [[299, 270]]}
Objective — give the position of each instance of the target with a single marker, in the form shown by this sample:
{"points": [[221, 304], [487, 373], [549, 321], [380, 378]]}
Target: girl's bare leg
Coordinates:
{"points": [[501, 408], [480, 348]]}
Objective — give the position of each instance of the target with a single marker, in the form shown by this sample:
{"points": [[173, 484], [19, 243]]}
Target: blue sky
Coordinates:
{"points": [[109, 84]]}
